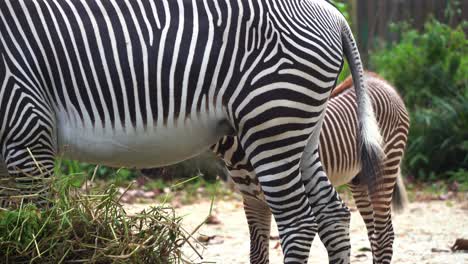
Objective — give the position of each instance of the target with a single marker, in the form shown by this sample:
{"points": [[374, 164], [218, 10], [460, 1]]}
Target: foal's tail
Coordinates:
{"points": [[400, 197]]}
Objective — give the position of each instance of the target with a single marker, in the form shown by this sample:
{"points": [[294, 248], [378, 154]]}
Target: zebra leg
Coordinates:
{"points": [[259, 220], [364, 205], [376, 212], [333, 216], [27, 144], [4, 178], [384, 235], [256, 209]]}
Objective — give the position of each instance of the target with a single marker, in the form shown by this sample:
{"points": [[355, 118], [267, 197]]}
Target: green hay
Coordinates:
{"points": [[89, 227]]}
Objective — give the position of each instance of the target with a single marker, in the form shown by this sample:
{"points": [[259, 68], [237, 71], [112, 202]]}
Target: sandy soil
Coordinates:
{"points": [[424, 234]]}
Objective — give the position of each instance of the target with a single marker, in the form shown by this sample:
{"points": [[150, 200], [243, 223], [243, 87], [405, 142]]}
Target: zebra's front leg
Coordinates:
{"points": [[29, 171], [4, 182], [333, 216], [27, 149], [256, 209], [259, 220]]}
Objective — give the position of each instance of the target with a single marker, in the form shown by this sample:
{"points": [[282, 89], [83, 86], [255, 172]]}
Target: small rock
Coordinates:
{"points": [[464, 206], [211, 240], [213, 220], [149, 194], [204, 238]]}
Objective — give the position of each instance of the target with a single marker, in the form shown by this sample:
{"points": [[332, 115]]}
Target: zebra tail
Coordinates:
{"points": [[400, 197], [369, 139]]}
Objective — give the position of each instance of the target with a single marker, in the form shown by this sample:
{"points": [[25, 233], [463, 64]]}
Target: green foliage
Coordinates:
{"points": [[427, 64], [344, 8], [438, 141], [460, 176], [71, 167], [430, 69]]}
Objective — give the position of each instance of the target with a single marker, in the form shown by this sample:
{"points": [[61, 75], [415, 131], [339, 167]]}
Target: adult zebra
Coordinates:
{"points": [[338, 151], [149, 83]]}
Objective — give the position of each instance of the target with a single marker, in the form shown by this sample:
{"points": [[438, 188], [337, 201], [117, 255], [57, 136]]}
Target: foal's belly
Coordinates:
{"points": [[338, 178], [151, 147]]}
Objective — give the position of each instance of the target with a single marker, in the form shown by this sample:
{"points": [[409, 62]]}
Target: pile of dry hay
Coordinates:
{"points": [[86, 227]]}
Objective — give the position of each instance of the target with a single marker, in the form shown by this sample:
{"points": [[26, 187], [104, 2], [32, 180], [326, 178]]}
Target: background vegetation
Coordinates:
{"points": [[430, 69]]}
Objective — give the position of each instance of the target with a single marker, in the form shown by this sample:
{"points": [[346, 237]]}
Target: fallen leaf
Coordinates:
{"points": [[364, 249], [278, 245]]}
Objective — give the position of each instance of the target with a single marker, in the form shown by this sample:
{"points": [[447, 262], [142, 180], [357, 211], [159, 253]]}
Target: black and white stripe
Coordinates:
{"points": [[339, 154], [148, 83]]}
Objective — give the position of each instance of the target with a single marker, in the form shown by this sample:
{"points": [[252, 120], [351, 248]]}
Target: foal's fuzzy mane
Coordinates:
{"points": [[348, 83]]}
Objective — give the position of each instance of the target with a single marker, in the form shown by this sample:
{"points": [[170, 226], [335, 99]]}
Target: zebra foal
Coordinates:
{"points": [[338, 151], [148, 83]]}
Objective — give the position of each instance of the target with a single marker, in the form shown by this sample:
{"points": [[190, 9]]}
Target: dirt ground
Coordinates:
{"points": [[425, 231]]}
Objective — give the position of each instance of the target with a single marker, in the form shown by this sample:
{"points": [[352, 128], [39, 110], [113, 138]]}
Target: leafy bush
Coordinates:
{"points": [[100, 172], [427, 64], [206, 165], [343, 6], [430, 70], [438, 143]]}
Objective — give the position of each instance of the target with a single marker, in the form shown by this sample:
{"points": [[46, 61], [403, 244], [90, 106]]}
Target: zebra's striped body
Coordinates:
{"points": [[148, 83], [338, 152]]}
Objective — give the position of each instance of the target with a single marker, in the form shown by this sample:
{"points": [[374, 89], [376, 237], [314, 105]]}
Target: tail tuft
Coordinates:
{"points": [[372, 166], [400, 197]]}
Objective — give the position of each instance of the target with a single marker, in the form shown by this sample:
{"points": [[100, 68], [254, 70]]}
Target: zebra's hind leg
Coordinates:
{"points": [[259, 220], [333, 216], [376, 211], [364, 205], [278, 172]]}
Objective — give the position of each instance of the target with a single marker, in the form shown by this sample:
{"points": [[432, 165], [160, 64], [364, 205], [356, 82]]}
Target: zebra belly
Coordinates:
{"points": [[338, 178], [138, 147]]}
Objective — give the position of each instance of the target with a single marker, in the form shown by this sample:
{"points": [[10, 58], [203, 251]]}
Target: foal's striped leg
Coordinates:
{"points": [[259, 219]]}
